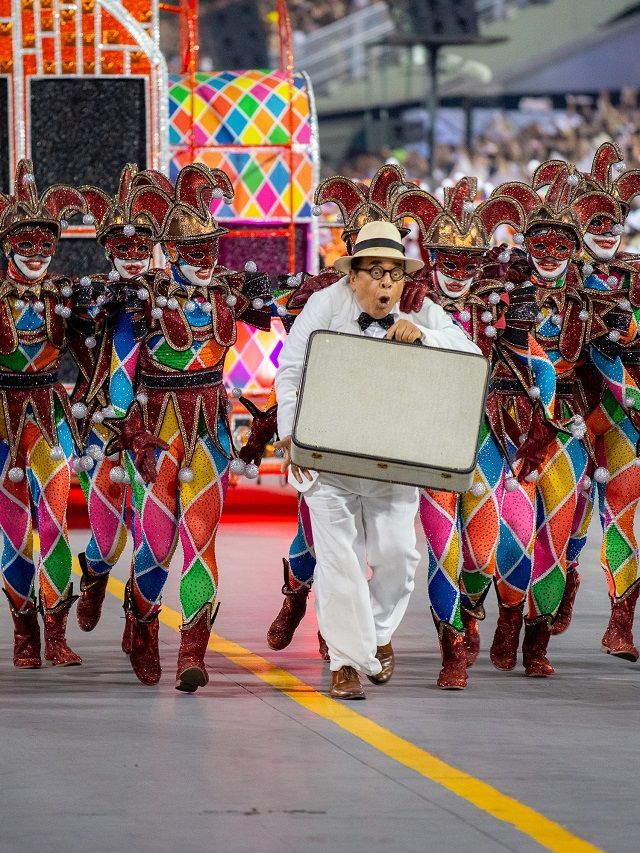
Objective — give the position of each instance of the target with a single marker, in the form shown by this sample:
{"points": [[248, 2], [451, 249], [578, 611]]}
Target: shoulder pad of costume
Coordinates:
{"points": [[628, 258], [256, 284], [626, 263], [232, 278], [484, 286], [524, 293]]}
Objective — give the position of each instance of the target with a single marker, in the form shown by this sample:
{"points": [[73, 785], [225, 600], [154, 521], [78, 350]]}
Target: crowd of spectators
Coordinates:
{"points": [[509, 148], [511, 144]]}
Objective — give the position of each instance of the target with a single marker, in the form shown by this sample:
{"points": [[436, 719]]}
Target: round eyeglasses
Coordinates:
{"points": [[377, 272]]}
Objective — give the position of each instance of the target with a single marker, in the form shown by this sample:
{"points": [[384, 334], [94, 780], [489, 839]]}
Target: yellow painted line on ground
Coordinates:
{"points": [[485, 797]]}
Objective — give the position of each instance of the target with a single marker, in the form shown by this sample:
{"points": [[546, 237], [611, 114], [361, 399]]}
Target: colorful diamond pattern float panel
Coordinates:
{"points": [[251, 364], [227, 122]]}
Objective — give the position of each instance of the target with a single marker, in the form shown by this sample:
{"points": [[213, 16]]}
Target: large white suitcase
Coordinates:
{"points": [[389, 411]]}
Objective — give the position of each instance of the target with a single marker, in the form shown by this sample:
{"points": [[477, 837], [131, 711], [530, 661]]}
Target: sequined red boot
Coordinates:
{"points": [[534, 649], [92, 592], [26, 636], [471, 636], [293, 608], [194, 638], [56, 649], [145, 653], [506, 640], [618, 638], [565, 611], [453, 675]]}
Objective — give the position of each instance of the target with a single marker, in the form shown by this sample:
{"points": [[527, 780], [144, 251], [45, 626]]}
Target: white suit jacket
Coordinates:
{"points": [[336, 309]]}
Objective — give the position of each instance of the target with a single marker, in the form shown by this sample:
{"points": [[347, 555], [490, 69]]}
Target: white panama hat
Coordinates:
{"points": [[379, 240]]}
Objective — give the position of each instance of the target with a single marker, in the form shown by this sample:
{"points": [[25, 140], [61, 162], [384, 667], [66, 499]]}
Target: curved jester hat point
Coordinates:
{"points": [[152, 178], [25, 207], [599, 193], [606, 158], [459, 224], [116, 214], [190, 217], [555, 210], [359, 203]]}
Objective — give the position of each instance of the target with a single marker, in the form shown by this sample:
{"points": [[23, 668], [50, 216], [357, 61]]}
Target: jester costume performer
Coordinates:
{"points": [[565, 321], [358, 204], [38, 431], [167, 385], [100, 300], [467, 533], [611, 371]]}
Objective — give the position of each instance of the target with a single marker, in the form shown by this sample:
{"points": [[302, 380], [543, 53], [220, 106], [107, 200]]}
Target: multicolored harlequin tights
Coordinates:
{"points": [[106, 503], [47, 487], [439, 517], [479, 510], [488, 529], [498, 530], [615, 440], [559, 482], [302, 560], [168, 508]]}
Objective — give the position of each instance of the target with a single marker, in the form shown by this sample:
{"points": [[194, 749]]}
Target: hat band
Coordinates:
{"points": [[378, 243]]}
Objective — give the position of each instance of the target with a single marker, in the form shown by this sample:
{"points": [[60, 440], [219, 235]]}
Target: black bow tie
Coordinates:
{"points": [[364, 321]]}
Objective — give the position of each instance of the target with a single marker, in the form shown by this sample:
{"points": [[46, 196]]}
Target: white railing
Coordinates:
{"points": [[339, 51]]}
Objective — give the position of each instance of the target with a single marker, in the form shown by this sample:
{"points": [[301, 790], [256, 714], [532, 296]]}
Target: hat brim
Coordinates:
{"points": [[410, 264]]}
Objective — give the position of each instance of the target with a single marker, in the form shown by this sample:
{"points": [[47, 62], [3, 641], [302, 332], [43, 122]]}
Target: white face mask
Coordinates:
{"points": [[131, 268], [32, 267], [199, 276], [602, 247], [552, 270], [454, 288]]}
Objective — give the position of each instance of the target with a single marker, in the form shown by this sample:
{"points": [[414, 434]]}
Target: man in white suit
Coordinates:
{"points": [[356, 522]]}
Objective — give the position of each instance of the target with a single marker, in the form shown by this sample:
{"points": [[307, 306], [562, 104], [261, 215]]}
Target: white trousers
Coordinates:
{"points": [[358, 522]]}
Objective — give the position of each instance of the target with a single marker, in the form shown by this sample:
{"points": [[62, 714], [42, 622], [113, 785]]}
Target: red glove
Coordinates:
{"points": [[131, 434], [413, 295], [534, 448], [263, 428]]}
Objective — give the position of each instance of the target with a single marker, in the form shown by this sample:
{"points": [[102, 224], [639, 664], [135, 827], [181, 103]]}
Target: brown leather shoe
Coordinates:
{"points": [[56, 649], [618, 638], [345, 684], [534, 650], [293, 608], [92, 592], [471, 636], [565, 611], [323, 648], [506, 640], [386, 657]]}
